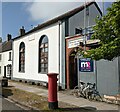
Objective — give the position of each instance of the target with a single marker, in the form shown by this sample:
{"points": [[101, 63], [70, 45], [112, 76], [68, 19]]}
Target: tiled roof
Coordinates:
{"points": [[61, 17]]}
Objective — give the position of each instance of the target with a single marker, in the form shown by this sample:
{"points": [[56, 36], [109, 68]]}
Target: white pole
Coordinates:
{"points": [[103, 6], [84, 26], [88, 25], [78, 70]]}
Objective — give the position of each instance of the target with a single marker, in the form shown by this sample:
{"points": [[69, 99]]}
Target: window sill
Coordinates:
{"points": [[9, 60], [21, 72], [43, 72]]}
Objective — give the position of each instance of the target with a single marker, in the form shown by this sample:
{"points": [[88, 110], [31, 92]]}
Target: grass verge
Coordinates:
{"points": [[37, 101]]}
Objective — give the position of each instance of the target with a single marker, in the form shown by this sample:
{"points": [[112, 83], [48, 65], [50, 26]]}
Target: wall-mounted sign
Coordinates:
{"points": [[74, 42], [31, 38], [86, 65]]}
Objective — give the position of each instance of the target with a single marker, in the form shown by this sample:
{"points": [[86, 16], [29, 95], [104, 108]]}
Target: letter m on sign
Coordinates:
{"points": [[84, 64]]}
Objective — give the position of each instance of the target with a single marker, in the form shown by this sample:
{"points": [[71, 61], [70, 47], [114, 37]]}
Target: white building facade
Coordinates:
{"points": [[32, 56], [6, 58], [42, 49]]}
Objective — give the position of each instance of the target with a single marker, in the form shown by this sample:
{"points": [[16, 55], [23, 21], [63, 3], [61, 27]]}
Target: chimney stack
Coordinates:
{"points": [[22, 31], [9, 37]]}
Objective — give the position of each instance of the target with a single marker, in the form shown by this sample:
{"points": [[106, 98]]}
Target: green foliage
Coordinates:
{"points": [[107, 30], [0, 39]]}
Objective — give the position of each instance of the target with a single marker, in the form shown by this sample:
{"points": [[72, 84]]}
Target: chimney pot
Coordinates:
{"points": [[22, 31], [9, 37]]}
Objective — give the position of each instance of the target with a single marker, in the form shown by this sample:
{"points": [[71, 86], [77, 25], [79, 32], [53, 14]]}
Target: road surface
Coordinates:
{"points": [[6, 104]]}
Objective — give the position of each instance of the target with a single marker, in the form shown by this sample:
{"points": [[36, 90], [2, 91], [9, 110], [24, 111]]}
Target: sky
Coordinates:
{"points": [[14, 15]]}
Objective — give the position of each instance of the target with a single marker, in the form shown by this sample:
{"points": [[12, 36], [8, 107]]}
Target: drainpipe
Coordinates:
{"points": [[12, 59], [59, 22]]}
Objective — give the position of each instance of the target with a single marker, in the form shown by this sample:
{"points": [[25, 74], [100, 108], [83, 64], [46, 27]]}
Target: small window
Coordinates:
{"points": [[9, 69], [78, 30], [0, 57], [10, 56], [0, 69]]}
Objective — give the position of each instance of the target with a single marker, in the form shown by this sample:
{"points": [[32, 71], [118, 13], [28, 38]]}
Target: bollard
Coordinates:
{"points": [[52, 91]]}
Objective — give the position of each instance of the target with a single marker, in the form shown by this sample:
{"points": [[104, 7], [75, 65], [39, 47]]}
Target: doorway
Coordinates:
{"points": [[5, 71], [73, 78]]}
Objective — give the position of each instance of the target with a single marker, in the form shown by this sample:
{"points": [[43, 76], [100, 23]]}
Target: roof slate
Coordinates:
{"points": [[6, 46]]}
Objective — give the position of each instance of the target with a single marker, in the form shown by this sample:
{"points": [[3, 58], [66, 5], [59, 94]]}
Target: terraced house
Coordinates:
{"points": [[6, 57]]}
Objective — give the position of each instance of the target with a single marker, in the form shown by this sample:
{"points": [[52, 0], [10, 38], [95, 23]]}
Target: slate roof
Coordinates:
{"points": [[61, 17], [6, 46]]}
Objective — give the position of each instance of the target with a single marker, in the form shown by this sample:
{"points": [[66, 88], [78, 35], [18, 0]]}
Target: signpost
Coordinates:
{"points": [[86, 65]]}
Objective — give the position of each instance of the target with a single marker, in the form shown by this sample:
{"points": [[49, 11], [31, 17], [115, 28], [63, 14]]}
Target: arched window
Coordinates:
{"points": [[43, 54], [22, 57]]}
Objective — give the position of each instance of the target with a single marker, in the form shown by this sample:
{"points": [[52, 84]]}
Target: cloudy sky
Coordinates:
{"points": [[31, 13]]}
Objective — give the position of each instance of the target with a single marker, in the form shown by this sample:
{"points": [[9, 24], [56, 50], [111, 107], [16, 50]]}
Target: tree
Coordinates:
{"points": [[107, 30], [0, 39]]}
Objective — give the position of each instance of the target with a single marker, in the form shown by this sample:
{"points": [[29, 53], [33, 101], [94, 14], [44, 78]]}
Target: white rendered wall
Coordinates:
{"points": [[5, 61], [31, 54], [1, 64]]}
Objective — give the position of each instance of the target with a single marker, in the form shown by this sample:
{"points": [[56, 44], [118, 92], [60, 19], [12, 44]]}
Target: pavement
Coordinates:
{"points": [[67, 98]]}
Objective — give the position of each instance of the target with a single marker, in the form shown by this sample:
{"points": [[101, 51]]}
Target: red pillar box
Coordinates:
{"points": [[52, 91]]}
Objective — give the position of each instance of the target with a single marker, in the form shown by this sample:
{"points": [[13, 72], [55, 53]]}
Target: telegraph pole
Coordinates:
{"points": [[84, 39], [103, 7]]}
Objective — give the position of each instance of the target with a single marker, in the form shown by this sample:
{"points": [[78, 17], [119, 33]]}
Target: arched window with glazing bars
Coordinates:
{"points": [[22, 57], [43, 54]]}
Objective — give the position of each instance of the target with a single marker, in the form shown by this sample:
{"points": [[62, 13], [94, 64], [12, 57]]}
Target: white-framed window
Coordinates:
{"points": [[9, 69], [10, 56], [43, 54]]}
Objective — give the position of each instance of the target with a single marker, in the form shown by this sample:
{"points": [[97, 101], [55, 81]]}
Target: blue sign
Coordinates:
{"points": [[86, 65]]}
